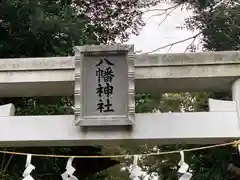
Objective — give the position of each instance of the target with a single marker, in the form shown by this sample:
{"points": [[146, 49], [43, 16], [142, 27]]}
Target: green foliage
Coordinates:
{"points": [[220, 29], [52, 28], [219, 26], [209, 164], [34, 28], [49, 28]]}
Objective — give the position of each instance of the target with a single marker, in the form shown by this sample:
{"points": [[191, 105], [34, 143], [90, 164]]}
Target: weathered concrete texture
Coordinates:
{"points": [[158, 128], [211, 71]]}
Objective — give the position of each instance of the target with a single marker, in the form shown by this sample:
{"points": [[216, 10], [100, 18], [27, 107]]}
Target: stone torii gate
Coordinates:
{"points": [[187, 72]]}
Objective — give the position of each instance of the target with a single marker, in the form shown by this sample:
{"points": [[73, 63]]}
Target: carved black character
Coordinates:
{"points": [[108, 89], [108, 106], [100, 106], [104, 60], [108, 75], [99, 90]]}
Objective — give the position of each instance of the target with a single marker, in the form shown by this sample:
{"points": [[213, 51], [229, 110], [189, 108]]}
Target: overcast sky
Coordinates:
{"points": [[153, 36]]}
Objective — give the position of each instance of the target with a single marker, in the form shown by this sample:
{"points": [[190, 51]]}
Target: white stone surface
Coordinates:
{"points": [[7, 110], [221, 106], [236, 97], [159, 73], [104, 91], [158, 128], [204, 71]]}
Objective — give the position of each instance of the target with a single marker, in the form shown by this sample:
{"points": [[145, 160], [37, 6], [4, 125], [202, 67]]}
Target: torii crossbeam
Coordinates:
{"points": [[54, 76]]}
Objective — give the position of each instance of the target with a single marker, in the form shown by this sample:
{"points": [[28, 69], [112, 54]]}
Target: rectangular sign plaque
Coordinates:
{"points": [[104, 85]]}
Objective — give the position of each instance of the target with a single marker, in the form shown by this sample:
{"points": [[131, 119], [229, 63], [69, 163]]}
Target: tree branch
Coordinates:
{"points": [[189, 46], [159, 9], [174, 43], [171, 9], [167, 15]]}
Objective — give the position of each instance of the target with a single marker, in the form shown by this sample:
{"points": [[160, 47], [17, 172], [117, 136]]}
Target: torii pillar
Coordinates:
{"points": [[236, 97]]}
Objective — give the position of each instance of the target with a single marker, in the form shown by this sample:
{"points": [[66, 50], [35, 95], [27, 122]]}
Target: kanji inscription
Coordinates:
{"points": [[104, 89]]}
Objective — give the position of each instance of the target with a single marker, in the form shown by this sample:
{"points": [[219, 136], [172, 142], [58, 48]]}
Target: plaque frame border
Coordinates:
{"points": [[88, 121]]}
